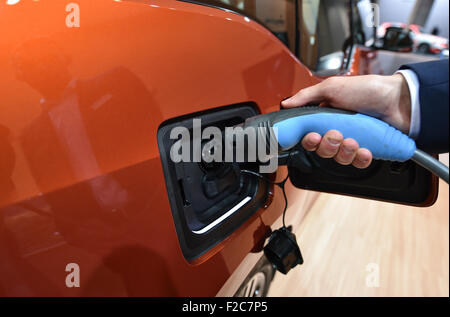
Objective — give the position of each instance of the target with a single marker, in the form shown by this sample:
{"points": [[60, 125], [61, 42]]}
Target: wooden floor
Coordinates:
{"points": [[348, 242]]}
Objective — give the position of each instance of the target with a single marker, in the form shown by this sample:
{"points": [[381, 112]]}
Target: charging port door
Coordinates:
{"points": [[208, 200], [404, 183]]}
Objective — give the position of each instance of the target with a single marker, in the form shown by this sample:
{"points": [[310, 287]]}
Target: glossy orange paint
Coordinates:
{"points": [[81, 179]]}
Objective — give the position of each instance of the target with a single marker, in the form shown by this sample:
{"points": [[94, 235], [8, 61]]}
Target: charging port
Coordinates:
{"points": [[209, 200]]}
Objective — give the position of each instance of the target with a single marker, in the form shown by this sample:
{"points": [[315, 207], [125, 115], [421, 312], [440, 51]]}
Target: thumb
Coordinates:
{"points": [[313, 94]]}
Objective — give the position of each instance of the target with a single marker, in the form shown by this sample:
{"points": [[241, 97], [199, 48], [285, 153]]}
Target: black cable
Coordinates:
{"points": [[285, 199], [279, 184]]}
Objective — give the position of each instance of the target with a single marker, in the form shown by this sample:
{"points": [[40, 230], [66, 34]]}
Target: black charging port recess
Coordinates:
{"points": [[209, 200]]}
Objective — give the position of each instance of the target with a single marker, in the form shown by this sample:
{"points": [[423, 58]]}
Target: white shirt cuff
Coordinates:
{"points": [[413, 84]]}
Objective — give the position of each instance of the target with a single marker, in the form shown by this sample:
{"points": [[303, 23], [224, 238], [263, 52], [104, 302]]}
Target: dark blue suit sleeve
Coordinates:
{"points": [[434, 105]]}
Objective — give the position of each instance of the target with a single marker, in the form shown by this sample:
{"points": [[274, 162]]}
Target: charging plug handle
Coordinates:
{"points": [[291, 125]]}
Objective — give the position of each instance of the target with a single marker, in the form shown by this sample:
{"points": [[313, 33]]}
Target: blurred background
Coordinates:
{"points": [[400, 11], [324, 33], [358, 247]]}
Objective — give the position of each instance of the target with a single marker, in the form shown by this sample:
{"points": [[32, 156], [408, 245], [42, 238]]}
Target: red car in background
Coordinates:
{"points": [[423, 42]]}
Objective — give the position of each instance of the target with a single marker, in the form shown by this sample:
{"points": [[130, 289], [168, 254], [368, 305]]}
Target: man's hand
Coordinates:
{"points": [[383, 97]]}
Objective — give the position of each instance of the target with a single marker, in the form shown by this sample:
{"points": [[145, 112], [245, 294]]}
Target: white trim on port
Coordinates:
{"points": [[223, 217]]}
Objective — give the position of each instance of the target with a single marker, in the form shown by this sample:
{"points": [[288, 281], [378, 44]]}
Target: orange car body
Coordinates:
{"points": [[82, 182]]}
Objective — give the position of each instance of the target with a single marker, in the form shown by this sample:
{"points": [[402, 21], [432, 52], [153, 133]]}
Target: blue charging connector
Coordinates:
{"points": [[384, 141]]}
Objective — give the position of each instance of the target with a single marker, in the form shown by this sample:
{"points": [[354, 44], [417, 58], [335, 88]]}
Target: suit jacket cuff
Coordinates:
{"points": [[414, 86]]}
